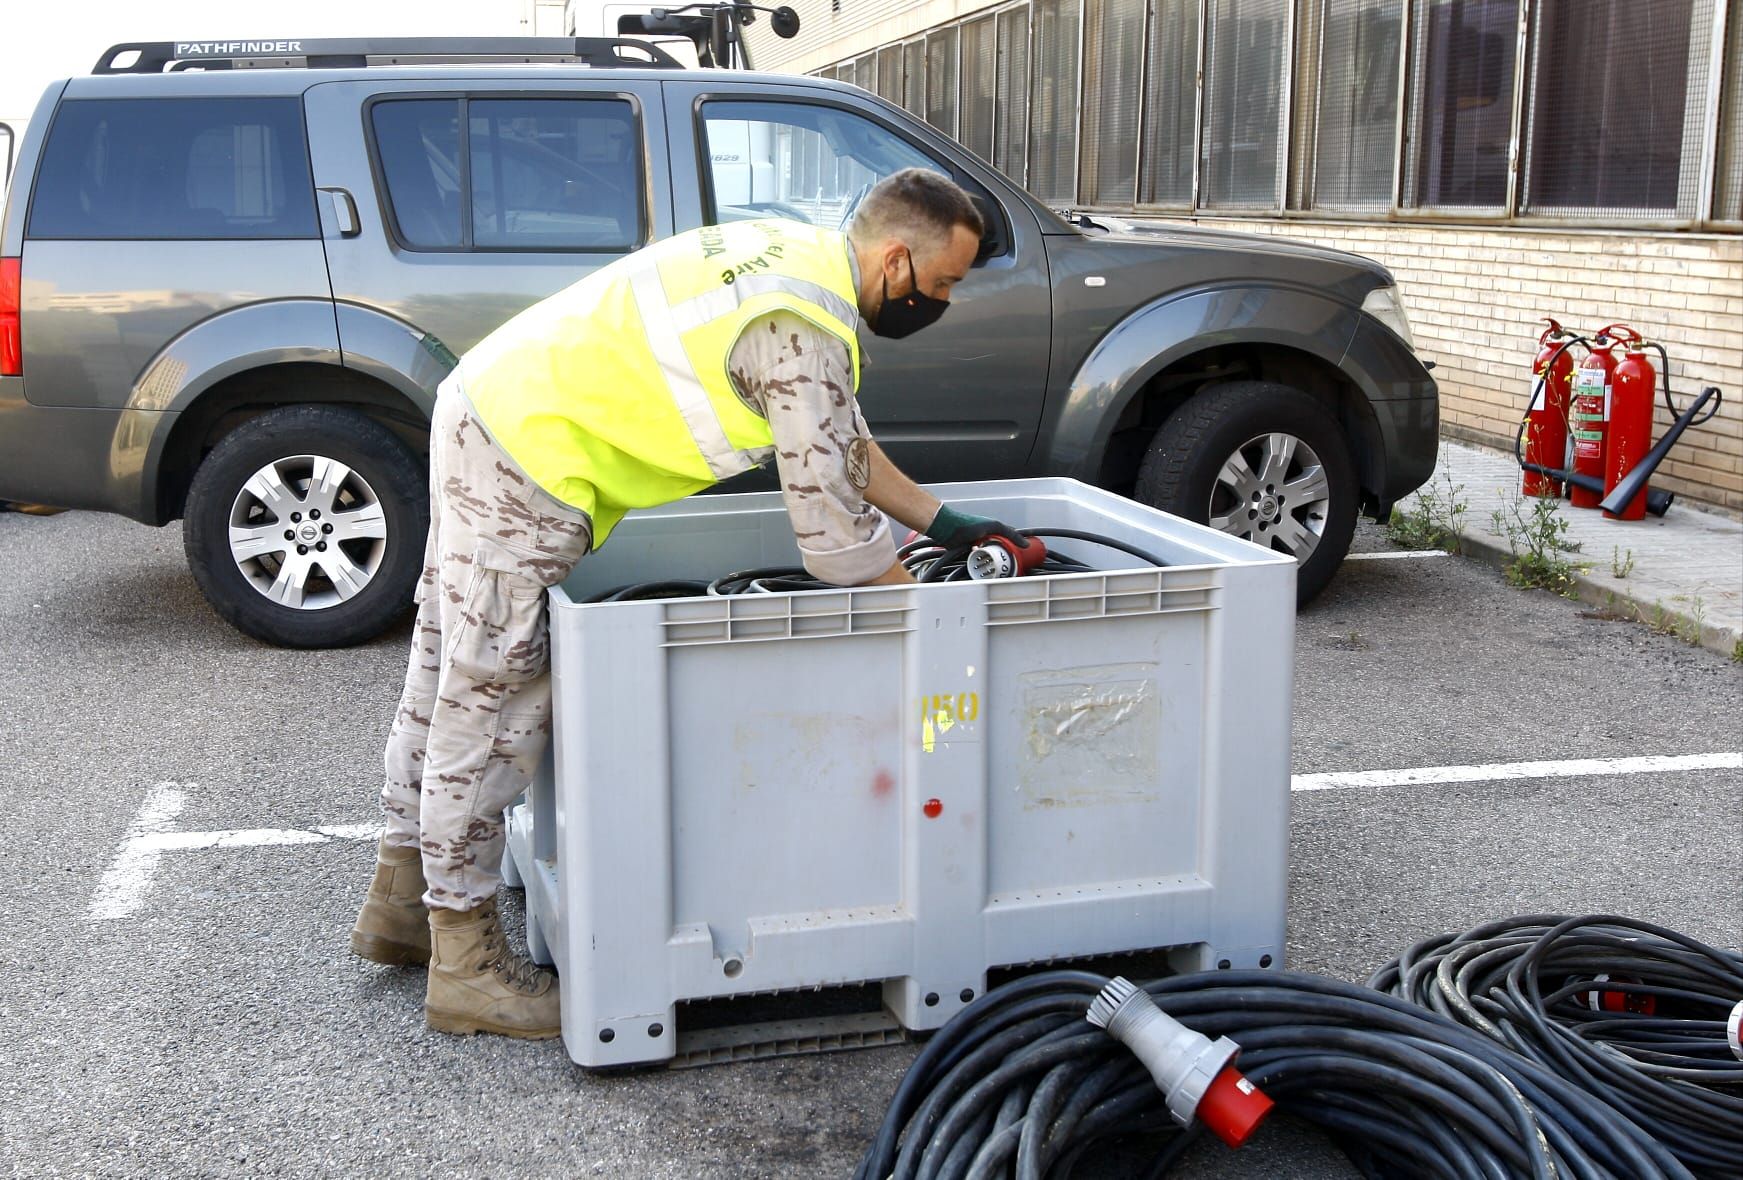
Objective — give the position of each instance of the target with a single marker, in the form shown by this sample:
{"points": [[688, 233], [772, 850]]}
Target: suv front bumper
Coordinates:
{"points": [[1406, 405]]}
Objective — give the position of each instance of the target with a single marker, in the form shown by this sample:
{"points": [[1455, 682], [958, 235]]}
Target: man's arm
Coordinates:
{"points": [[801, 379], [897, 495], [906, 501]]}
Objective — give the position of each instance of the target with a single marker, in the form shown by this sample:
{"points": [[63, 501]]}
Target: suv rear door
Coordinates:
{"points": [[150, 213], [451, 204], [960, 400]]}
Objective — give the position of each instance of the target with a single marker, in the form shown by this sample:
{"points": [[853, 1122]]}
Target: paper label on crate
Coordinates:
{"points": [[1091, 736]]}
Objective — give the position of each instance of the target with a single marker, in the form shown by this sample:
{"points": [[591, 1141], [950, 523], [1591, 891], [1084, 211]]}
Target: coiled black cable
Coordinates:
{"points": [[1630, 1011], [641, 591], [924, 558], [1019, 1083]]}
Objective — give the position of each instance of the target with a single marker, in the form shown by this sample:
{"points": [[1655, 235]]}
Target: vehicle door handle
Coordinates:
{"points": [[342, 211]]}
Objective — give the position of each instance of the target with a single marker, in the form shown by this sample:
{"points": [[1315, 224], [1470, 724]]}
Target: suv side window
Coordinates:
{"points": [[481, 174], [176, 168], [798, 160]]}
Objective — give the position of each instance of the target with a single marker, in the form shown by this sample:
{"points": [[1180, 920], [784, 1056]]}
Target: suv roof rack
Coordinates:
{"points": [[154, 57]]}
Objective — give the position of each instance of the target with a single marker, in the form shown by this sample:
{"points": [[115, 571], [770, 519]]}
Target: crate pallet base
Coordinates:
{"points": [[907, 786]]}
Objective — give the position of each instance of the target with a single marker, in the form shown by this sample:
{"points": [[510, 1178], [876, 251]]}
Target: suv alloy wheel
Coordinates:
{"points": [[1262, 462], [305, 526]]}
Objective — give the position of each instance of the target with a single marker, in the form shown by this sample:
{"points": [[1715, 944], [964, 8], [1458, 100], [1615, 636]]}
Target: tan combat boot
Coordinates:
{"points": [[478, 985], [394, 926]]}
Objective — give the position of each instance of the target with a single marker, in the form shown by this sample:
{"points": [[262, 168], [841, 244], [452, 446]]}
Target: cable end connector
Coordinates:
{"points": [[1196, 1075], [1000, 557]]}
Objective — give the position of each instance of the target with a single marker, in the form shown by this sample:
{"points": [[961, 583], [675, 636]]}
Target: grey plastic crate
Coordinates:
{"points": [[909, 785]]}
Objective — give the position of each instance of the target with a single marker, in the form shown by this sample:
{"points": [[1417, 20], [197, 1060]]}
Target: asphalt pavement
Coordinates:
{"points": [[222, 1028]]}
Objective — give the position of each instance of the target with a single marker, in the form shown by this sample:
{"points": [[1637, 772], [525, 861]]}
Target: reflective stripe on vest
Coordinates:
{"points": [[699, 309], [663, 333]]}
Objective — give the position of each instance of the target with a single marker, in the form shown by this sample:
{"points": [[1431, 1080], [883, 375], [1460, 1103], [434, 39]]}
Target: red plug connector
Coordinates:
{"points": [[1198, 1076], [1001, 557]]}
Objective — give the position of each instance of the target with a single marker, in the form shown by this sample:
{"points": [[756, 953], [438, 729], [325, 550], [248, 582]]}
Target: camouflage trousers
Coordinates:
{"points": [[475, 716]]}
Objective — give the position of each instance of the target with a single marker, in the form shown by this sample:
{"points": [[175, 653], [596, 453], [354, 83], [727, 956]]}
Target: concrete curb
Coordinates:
{"points": [[1613, 595]]}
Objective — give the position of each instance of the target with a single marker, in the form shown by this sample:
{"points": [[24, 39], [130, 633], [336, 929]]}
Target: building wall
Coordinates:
{"points": [[1477, 297], [1476, 293], [826, 36]]}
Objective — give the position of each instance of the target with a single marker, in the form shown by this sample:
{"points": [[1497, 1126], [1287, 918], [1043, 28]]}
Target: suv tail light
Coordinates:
{"points": [[11, 340]]}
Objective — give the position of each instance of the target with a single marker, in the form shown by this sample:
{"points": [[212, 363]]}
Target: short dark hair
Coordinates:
{"points": [[915, 201]]}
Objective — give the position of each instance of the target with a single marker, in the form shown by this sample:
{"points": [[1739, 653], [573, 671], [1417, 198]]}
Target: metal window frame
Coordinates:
{"points": [[1524, 44], [1707, 190], [1309, 139], [1503, 213], [1310, 172], [1198, 108], [1286, 116], [955, 129], [1077, 125], [1694, 194], [1400, 129], [988, 17], [1279, 204], [1143, 98], [1072, 202]]}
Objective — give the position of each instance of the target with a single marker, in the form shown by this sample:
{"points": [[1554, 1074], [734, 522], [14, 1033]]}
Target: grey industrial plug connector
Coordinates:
{"points": [[1195, 1073]]}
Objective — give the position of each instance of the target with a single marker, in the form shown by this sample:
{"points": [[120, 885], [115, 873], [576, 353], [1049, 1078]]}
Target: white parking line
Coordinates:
{"points": [[124, 887], [1390, 555], [127, 883], [1499, 771], [128, 879]]}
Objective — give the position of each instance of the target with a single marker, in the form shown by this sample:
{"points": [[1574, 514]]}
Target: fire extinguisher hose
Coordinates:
{"points": [[1664, 384]]}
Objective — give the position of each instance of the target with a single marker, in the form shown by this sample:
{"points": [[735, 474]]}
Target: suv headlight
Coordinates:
{"points": [[1384, 305]]}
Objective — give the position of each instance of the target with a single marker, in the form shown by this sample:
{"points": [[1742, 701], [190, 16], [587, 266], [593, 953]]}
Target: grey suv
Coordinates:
{"points": [[227, 296]]}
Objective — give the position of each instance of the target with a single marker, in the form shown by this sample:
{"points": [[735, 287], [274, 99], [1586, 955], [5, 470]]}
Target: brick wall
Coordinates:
{"points": [[1476, 296]]}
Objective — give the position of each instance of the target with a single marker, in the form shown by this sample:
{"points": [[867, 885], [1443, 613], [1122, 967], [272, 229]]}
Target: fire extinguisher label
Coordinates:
{"points": [[1537, 395]]}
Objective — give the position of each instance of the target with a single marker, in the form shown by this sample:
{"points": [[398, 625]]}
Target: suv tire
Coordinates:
{"points": [[305, 527], [1209, 460]]}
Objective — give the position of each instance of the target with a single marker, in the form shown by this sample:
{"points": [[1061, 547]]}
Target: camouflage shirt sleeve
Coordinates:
{"points": [[800, 378]]}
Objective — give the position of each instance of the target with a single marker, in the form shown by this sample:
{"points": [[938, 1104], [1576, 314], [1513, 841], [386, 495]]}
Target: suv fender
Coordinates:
{"points": [[394, 352], [1158, 334], [215, 349], [152, 433]]}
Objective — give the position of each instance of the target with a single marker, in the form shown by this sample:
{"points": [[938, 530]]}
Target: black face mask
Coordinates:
{"points": [[905, 316]]}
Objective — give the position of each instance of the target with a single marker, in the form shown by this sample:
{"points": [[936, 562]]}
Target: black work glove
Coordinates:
{"points": [[953, 529]]}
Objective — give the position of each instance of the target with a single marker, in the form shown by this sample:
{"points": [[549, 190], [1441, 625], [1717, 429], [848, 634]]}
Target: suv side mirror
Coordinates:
{"points": [[994, 241]]}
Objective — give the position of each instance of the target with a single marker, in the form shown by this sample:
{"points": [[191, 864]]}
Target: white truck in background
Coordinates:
{"points": [[613, 18], [743, 154]]}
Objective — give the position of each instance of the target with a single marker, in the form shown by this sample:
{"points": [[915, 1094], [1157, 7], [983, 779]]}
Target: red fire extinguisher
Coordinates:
{"points": [[1546, 422], [1591, 412], [1630, 429]]}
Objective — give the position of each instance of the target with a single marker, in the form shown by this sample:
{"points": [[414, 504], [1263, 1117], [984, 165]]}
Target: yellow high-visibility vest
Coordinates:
{"points": [[613, 393]]}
